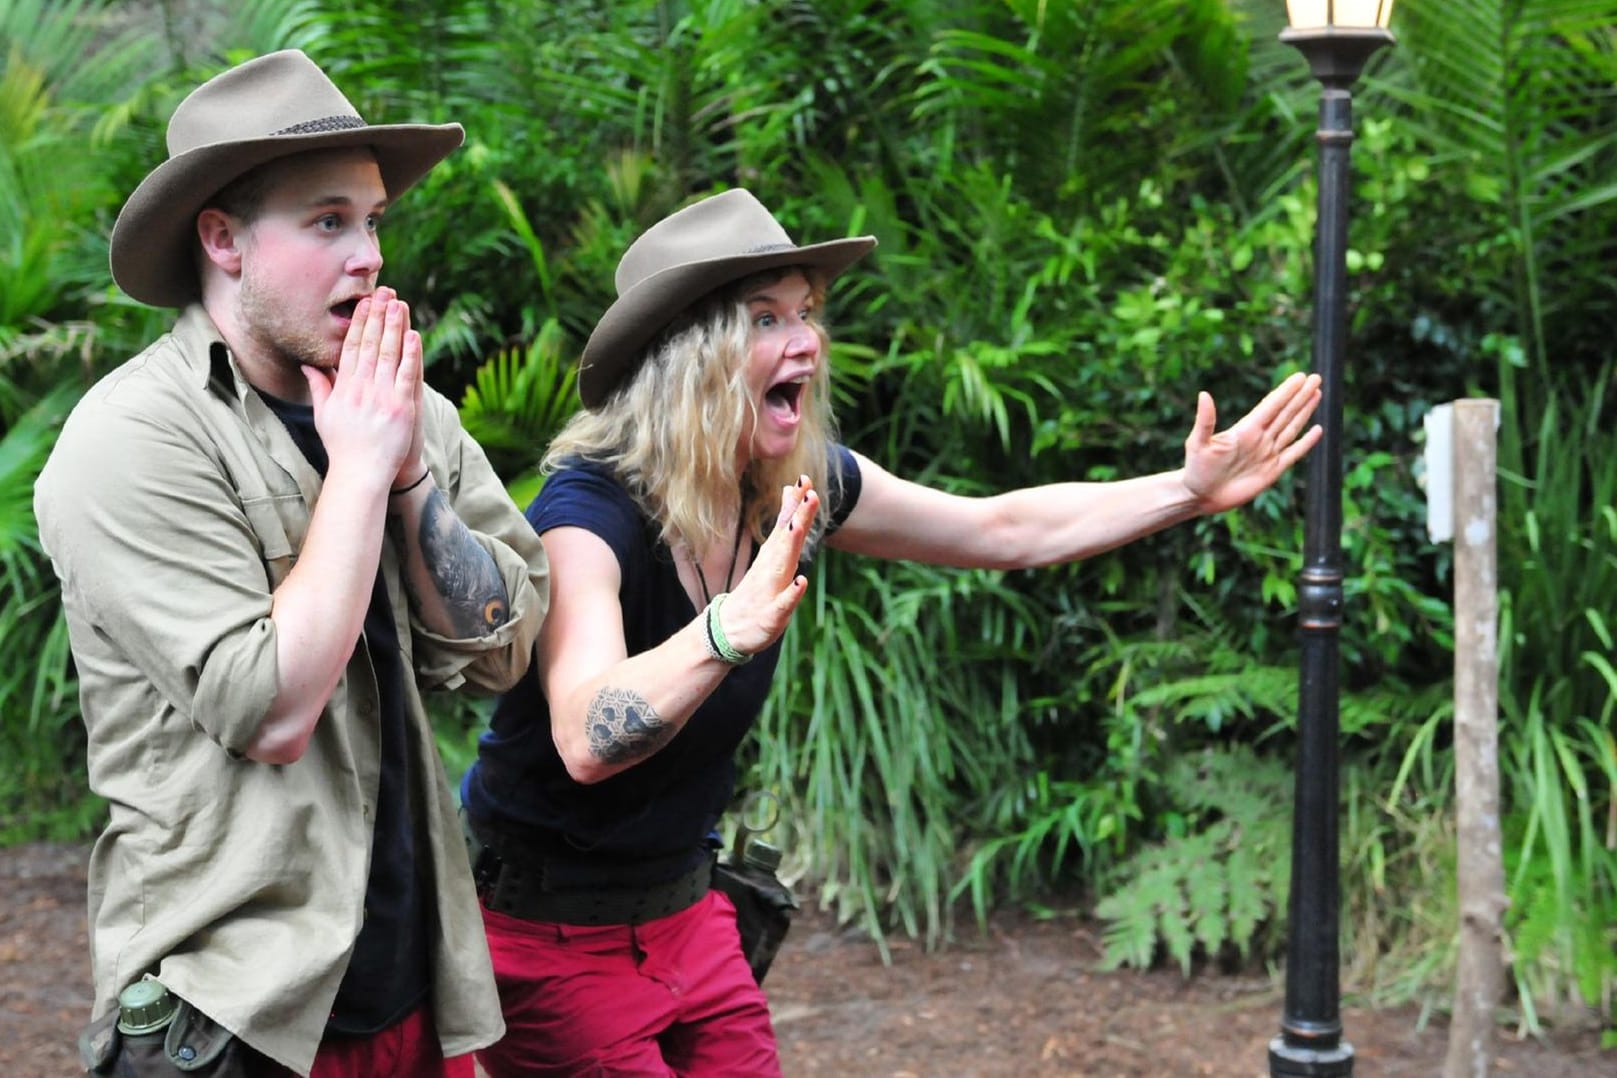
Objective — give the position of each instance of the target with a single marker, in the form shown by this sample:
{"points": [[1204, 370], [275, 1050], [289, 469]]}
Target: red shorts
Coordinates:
{"points": [[406, 1049], [670, 997]]}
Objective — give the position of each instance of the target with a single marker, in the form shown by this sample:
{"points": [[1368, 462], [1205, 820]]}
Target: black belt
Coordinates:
{"points": [[511, 881]]}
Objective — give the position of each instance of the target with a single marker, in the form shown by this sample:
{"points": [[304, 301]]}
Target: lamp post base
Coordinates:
{"points": [[1286, 1060]]}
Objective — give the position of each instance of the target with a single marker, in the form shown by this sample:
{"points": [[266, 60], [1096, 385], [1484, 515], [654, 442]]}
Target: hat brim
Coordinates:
{"points": [[152, 240], [615, 347]]}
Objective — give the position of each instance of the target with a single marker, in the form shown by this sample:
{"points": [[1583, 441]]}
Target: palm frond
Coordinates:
{"points": [[1518, 95], [519, 400]]}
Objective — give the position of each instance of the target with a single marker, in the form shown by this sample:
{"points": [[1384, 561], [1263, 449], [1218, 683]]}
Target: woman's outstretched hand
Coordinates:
{"points": [[761, 606], [1231, 467]]}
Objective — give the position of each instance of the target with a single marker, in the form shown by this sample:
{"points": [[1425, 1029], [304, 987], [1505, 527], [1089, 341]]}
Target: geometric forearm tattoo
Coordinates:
{"points": [[623, 726], [463, 572]]}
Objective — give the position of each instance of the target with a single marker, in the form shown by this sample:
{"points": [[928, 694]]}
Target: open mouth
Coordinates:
{"points": [[345, 309], [786, 398]]}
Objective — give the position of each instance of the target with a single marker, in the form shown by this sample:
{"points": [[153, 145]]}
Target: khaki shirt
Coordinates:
{"points": [[172, 506]]}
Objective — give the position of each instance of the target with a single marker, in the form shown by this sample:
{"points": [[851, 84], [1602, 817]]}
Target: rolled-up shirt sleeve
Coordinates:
{"points": [[495, 661], [159, 560]]}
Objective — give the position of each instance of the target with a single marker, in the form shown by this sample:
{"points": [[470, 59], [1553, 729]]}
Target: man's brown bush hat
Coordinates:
{"points": [[264, 109], [679, 260]]}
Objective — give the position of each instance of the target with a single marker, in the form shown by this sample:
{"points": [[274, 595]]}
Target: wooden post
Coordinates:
{"points": [[1481, 973]]}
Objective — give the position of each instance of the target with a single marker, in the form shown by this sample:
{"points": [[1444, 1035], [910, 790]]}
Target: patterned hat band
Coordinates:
{"points": [[328, 123]]}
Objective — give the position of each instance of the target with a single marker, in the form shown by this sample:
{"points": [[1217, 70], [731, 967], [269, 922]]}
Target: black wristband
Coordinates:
{"points": [[405, 490]]}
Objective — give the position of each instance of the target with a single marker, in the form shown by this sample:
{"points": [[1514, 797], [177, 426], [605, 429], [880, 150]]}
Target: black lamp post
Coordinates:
{"points": [[1336, 37]]}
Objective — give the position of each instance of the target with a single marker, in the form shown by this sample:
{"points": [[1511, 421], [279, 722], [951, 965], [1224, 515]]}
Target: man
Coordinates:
{"points": [[271, 536]]}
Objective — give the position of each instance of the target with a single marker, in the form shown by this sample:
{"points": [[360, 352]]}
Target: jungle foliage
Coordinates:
{"points": [[1087, 211]]}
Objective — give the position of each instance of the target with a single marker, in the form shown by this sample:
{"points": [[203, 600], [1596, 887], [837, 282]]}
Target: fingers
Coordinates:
{"points": [[799, 504], [410, 373], [1285, 408], [1206, 419], [1280, 417], [360, 365], [356, 332], [369, 408], [753, 626], [1294, 416], [381, 346], [797, 530], [786, 600], [1280, 397], [395, 328], [1298, 449], [374, 345], [410, 387], [761, 606], [319, 386], [776, 563], [790, 499]]}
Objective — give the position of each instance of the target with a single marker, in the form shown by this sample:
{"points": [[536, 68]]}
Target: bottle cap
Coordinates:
{"points": [[143, 1007], [762, 855]]}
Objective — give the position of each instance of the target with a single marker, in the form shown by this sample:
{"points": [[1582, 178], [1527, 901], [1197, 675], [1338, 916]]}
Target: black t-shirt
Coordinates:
{"points": [[649, 823], [388, 973]]}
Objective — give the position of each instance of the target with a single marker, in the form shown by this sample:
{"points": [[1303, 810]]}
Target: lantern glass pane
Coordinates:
{"points": [[1307, 14], [1362, 14], [1347, 14]]}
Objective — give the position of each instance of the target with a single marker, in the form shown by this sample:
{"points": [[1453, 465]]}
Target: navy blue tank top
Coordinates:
{"points": [[649, 823]]}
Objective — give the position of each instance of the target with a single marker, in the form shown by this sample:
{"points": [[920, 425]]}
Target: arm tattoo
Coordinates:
{"points": [[464, 573], [623, 726]]}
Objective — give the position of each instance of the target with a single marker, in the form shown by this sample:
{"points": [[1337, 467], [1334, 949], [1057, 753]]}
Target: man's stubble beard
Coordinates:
{"points": [[292, 345]]}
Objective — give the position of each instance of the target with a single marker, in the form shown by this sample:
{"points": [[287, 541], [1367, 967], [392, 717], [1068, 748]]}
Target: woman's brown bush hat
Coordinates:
{"points": [[679, 260], [277, 105]]}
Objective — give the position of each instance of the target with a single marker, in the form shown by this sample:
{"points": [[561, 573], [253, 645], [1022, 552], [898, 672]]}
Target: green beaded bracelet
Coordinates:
{"points": [[718, 645]]}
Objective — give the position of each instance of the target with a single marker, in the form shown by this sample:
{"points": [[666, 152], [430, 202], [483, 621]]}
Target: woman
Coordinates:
{"points": [[679, 511]]}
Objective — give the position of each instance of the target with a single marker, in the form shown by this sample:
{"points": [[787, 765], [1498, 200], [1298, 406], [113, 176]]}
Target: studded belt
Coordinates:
{"points": [[511, 880]]}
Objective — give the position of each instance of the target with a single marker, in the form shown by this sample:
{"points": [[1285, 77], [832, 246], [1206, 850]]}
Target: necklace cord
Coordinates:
{"points": [[735, 554]]}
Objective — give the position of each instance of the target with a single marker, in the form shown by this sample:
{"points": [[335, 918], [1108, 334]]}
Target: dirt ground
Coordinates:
{"points": [[1022, 1001]]}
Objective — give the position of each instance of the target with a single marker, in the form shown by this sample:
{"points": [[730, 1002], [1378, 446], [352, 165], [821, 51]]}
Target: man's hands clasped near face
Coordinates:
{"points": [[368, 411]]}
